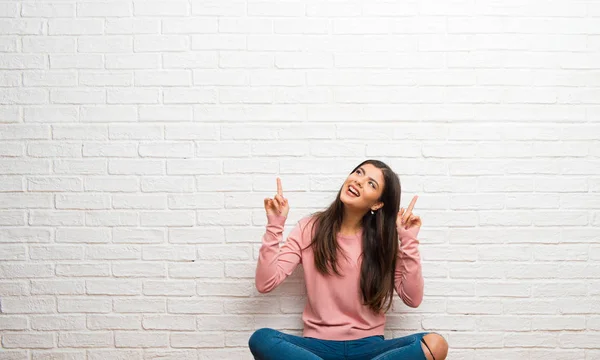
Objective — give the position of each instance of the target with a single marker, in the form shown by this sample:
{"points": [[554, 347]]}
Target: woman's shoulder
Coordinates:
{"points": [[306, 226], [307, 221]]}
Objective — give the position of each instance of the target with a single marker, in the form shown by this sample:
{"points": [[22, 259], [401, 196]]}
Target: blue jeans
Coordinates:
{"points": [[269, 344]]}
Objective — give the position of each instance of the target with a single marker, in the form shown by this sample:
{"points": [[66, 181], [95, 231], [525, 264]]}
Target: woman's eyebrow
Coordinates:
{"points": [[363, 170]]}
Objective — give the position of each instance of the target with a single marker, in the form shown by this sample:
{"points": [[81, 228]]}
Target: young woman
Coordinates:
{"points": [[354, 255]]}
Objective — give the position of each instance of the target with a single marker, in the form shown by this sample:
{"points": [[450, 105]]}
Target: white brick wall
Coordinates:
{"points": [[138, 139]]}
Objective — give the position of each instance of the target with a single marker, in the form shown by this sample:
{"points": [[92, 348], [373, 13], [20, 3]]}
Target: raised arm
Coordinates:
{"points": [[409, 276], [275, 263]]}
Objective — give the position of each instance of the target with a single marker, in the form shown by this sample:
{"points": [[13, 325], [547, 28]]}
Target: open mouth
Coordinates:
{"points": [[352, 191]]}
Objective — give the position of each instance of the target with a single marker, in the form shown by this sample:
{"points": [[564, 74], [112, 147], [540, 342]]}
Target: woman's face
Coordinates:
{"points": [[363, 188]]}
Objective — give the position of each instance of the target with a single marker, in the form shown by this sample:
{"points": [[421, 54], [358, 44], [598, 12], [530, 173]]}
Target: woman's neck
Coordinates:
{"points": [[351, 223]]}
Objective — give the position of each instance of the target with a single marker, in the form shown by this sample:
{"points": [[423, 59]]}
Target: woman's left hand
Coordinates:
{"points": [[406, 218]]}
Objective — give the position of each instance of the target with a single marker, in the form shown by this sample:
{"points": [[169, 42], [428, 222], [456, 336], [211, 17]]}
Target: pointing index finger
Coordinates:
{"points": [[412, 204], [408, 211], [279, 188]]}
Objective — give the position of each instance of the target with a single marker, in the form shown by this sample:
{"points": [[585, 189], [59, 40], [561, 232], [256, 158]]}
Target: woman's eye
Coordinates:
{"points": [[372, 184]]}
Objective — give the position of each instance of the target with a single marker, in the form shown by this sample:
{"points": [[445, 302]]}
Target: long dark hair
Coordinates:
{"points": [[379, 242]]}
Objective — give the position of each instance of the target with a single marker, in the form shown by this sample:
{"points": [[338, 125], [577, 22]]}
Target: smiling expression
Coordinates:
{"points": [[363, 188]]}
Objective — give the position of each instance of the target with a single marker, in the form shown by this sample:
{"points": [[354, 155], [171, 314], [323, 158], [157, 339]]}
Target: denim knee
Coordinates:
{"points": [[260, 338]]}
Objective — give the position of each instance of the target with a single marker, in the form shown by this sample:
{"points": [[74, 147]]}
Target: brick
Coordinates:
{"points": [[190, 96], [80, 167], [82, 201], [50, 114], [82, 235], [25, 235], [113, 252], [193, 167], [132, 96], [105, 9], [23, 62], [189, 25], [161, 8], [110, 150], [54, 184], [24, 167], [13, 323], [135, 339], [111, 184], [170, 354], [58, 322], [96, 339], [79, 96], [136, 167], [176, 201], [196, 271], [132, 26], [571, 340], [132, 269], [105, 78], [114, 322], [12, 150], [166, 113], [169, 322], [168, 184], [135, 201], [229, 288], [162, 78], [59, 354], [47, 10], [57, 252], [225, 322], [141, 305], [196, 235], [44, 149], [162, 43], [169, 253], [25, 132], [56, 218], [170, 288], [8, 288], [13, 252], [199, 59], [10, 114], [84, 305], [168, 218], [218, 8], [191, 132], [113, 287], [180, 306], [138, 236], [28, 341], [197, 340], [28, 305], [84, 270], [111, 218], [28, 270], [11, 183], [131, 61], [51, 45], [223, 252], [231, 77], [79, 61]]}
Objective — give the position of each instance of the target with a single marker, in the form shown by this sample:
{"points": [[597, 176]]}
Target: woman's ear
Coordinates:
{"points": [[377, 206]]}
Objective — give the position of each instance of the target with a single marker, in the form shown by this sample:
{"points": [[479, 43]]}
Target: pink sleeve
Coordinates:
{"points": [[276, 264], [409, 277]]}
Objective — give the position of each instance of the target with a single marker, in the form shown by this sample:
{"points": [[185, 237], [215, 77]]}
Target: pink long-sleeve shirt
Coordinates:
{"points": [[334, 309]]}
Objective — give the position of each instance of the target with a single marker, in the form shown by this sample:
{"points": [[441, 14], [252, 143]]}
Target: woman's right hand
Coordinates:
{"points": [[278, 205]]}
